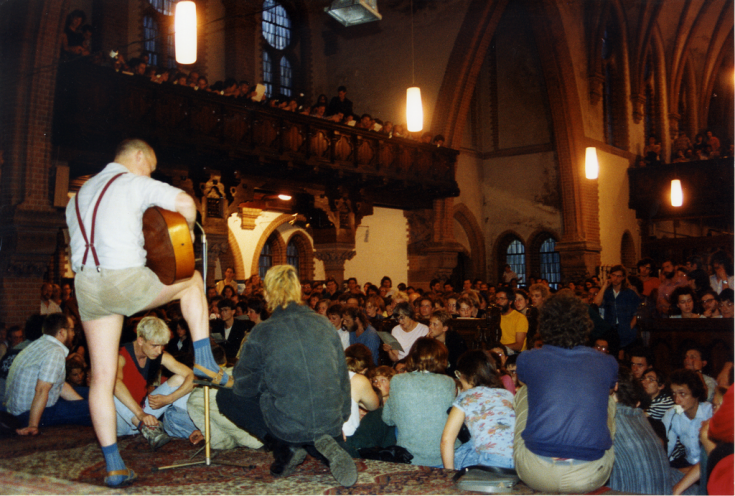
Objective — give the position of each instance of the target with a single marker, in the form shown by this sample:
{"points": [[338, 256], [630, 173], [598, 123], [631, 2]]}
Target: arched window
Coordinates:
{"points": [[150, 33], [158, 32], [550, 263], [515, 256], [265, 261], [278, 49], [292, 255]]}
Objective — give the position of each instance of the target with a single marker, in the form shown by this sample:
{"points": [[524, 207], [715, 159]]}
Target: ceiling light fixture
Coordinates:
{"points": [[284, 197], [677, 195], [354, 12]]}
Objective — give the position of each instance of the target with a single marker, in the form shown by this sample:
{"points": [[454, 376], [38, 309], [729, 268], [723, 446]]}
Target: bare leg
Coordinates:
{"points": [[193, 304], [196, 313], [103, 339]]}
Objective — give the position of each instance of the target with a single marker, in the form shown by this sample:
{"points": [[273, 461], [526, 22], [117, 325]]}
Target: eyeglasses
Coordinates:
{"points": [[709, 300], [648, 379], [601, 348]]}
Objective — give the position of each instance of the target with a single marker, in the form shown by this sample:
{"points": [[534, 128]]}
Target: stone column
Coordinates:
{"points": [[334, 256]]}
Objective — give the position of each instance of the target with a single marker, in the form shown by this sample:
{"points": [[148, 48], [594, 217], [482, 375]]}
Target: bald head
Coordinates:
{"points": [[137, 156]]}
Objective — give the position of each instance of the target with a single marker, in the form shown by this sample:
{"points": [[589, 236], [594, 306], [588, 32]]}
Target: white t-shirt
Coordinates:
{"points": [[52, 308], [119, 226], [408, 338], [344, 336]]}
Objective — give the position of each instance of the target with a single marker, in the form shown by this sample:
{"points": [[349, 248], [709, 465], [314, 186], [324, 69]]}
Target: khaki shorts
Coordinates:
{"points": [[115, 292]]}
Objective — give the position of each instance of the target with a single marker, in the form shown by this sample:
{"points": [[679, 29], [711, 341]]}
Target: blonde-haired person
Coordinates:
{"points": [[139, 364], [292, 388]]}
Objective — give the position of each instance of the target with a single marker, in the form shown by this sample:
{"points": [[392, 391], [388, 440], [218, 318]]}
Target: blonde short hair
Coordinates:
{"points": [[282, 286], [154, 330]]}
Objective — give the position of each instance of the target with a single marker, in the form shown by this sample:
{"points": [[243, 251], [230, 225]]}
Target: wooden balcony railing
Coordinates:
{"points": [[96, 108]]}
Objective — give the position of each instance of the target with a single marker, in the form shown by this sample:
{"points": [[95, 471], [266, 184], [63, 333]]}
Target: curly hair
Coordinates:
{"points": [[564, 320], [691, 379], [541, 288], [630, 390], [428, 355], [676, 293]]}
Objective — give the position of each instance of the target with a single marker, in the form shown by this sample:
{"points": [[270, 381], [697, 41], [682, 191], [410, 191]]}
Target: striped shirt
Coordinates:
{"points": [[659, 405]]}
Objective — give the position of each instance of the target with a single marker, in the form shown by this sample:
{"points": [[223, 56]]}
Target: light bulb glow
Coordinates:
{"points": [[284, 197], [677, 195], [414, 110], [591, 166], [185, 26]]}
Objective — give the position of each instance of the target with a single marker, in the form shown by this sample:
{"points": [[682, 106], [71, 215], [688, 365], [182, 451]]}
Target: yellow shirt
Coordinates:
{"points": [[512, 323]]}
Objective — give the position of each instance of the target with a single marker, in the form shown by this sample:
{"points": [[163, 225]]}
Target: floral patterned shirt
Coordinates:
{"points": [[490, 417]]}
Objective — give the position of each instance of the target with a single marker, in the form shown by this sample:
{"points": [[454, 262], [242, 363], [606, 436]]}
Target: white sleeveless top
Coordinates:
{"points": [[349, 427]]}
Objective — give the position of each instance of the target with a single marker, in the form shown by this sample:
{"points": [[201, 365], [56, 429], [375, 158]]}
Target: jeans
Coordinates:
{"points": [[180, 425], [62, 413]]}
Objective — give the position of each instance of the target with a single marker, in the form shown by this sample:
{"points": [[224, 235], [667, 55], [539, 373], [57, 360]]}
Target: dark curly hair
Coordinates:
{"points": [[630, 391], [564, 320], [689, 378], [674, 298]]}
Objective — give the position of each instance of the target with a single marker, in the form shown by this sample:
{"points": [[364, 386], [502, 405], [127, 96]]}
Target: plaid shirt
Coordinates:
{"points": [[43, 359]]}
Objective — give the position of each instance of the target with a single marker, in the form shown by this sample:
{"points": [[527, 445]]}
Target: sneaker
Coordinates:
{"points": [[156, 436], [340, 462]]}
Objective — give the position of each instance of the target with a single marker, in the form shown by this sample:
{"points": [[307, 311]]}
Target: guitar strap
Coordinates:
{"points": [[89, 243]]}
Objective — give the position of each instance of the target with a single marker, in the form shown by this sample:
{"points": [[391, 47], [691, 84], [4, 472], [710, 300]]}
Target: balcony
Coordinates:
{"points": [[96, 108]]}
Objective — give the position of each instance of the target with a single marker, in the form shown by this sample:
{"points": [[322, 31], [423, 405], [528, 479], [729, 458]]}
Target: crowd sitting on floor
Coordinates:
{"points": [[569, 380], [76, 45]]}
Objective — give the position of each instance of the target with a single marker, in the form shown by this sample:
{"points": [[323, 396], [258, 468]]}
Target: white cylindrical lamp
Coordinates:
{"points": [[185, 25], [677, 195], [414, 110], [591, 166]]}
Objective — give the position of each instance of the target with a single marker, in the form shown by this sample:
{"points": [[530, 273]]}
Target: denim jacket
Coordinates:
{"points": [[295, 364]]}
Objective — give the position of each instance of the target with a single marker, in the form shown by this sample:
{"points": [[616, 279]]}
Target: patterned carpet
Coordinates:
{"points": [[67, 460]]}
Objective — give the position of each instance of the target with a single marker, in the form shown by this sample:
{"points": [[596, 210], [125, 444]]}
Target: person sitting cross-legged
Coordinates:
{"points": [[565, 415], [486, 407], [139, 365]]}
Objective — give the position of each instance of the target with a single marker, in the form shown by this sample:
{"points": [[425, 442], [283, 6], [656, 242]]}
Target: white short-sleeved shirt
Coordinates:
{"points": [[119, 227], [408, 338]]}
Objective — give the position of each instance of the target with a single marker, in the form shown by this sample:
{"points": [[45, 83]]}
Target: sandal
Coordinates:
{"points": [[128, 477], [216, 379]]}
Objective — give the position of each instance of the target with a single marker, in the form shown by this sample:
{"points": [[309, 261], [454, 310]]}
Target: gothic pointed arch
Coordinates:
{"points": [[270, 235], [502, 243], [472, 228], [627, 251], [535, 244], [581, 237], [305, 250]]}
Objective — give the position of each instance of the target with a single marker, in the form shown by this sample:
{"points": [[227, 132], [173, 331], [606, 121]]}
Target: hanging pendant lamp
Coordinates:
{"points": [[185, 26]]}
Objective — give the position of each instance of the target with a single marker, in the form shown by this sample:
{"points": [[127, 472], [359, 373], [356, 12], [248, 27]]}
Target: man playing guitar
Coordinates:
{"points": [[105, 227]]}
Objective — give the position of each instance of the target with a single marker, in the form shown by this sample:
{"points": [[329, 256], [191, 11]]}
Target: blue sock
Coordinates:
{"points": [[114, 462], [203, 357]]}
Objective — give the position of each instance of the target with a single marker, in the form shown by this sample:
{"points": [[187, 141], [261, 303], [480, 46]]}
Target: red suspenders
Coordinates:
{"points": [[89, 243]]}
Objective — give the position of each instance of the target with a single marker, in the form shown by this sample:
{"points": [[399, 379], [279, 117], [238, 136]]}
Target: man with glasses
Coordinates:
{"points": [[37, 393], [726, 301], [513, 324], [710, 302]]}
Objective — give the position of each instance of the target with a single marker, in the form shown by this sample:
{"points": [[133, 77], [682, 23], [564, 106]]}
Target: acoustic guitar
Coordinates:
{"points": [[169, 246]]}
